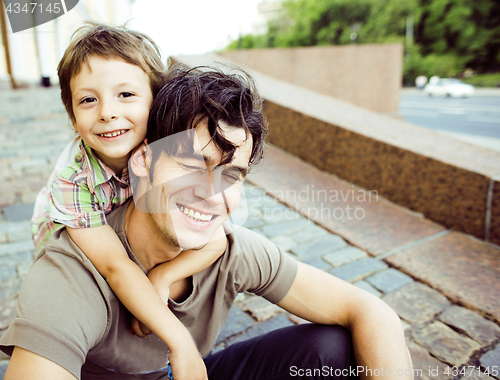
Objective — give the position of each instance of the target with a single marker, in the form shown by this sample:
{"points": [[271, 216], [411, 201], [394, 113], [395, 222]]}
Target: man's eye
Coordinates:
{"points": [[233, 178], [189, 167]]}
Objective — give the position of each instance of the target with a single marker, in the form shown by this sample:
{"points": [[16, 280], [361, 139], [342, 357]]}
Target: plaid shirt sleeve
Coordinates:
{"points": [[73, 203]]}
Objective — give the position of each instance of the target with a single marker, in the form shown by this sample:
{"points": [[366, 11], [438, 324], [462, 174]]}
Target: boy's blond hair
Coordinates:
{"points": [[109, 42]]}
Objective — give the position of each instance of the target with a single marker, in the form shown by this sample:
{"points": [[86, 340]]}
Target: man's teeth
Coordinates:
{"points": [[195, 214], [113, 134]]}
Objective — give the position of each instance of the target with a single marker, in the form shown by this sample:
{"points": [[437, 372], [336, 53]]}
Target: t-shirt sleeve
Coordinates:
{"points": [[266, 269], [61, 313], [73, 204]]}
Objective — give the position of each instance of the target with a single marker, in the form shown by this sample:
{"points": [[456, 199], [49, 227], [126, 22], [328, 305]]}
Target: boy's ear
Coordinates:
{"points": [[138, 160]]}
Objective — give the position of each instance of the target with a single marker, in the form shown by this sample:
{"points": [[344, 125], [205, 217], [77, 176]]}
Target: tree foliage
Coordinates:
{"points": [[449, 35]]}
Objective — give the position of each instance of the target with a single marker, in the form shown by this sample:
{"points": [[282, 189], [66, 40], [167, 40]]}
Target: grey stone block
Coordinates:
{"points": [[478, 328], [286, 227], [7, 312], [10, 287], [319, 247], [425, 367], [237, 322], [416, 302], [445, 344], [310, 233], [278, 213], [491, 359], [3, 368], [259, 308], [18, 212], [13, 227], [285, 242], [7, 272], [262, 328], [252, 222], [345, 256], [389, 280], [362, 284], [358, 269], [317, 262], [16, 259], [17, 247]]}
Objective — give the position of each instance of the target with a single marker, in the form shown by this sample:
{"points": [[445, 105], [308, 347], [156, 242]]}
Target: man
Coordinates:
{"points": [[205, 131]]}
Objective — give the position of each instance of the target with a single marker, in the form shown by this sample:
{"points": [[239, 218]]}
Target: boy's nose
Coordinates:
{"points": [[107, 113]]}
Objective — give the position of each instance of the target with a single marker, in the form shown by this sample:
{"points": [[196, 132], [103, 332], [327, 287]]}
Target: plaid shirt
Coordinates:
{"points": [[79, 194]]}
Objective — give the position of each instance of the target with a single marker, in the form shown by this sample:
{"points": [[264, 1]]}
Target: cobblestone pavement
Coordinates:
{"points": [[33, 131]]}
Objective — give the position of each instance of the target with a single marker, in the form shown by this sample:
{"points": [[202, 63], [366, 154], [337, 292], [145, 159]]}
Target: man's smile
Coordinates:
{"points": [[196, 215]]}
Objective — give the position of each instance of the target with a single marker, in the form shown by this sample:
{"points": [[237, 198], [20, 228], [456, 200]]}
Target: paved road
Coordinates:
{"points": [[475, 119], [34, 129]]}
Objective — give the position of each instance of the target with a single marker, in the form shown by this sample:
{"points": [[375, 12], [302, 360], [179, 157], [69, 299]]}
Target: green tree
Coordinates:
{"points": [[321, 22], [387, 21], [450, 35]]}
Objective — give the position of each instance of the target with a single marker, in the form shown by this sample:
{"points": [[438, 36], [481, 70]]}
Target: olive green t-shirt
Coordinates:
{"points": [[67, 313]]}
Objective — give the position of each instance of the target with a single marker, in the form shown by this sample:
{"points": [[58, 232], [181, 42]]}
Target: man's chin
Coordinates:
{"points": [[194, 243]]}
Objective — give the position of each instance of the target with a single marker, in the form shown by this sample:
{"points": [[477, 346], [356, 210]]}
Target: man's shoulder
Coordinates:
{"points": [[253, 248], [61, 254], [61, 242], [260, 266], [244, 237]]}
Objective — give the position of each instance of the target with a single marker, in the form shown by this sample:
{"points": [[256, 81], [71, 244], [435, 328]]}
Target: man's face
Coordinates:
{"points": [[192, 195]]}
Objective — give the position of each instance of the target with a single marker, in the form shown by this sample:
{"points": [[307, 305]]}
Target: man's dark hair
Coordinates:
{"points": [[191, 96]]}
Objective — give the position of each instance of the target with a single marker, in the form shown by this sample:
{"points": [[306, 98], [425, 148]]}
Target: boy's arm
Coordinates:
{"points": [[376, 329], [188, 263], [106, 252]]}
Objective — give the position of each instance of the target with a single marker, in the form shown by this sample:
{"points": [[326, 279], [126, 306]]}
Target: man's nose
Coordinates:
{"points": [[210, 187], [107, 111]]}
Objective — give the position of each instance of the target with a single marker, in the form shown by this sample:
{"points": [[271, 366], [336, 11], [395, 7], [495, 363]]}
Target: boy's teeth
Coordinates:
{"points": [[195, 214], [113, 134]]}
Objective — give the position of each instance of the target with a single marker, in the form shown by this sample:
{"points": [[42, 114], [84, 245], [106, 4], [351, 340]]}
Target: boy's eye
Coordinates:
{"points": [[88, 99]]}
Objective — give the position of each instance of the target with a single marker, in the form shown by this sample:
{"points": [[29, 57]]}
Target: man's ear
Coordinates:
{"points": [[138, 160]]}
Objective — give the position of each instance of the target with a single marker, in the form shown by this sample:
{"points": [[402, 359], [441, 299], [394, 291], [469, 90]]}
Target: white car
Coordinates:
{"points": [[449, 87]]}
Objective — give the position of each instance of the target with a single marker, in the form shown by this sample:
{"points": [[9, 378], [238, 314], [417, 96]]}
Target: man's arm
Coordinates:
{"points": [[25, 365], [376, 330]]}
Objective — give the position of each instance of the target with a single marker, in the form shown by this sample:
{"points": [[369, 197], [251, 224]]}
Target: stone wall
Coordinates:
{"points": [[369, 76], [451, 182]]}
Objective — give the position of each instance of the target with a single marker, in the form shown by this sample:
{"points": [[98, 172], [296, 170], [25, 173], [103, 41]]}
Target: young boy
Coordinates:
{"points": [[108, 78]]}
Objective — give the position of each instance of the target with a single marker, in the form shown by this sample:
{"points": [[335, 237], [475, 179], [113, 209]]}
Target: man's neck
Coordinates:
{"points": [[144, 240]]}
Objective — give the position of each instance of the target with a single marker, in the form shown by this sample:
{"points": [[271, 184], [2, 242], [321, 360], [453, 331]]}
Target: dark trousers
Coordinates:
{"points": [[307, 351]]}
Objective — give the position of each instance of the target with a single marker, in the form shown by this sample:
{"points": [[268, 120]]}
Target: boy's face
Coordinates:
{"points": [[111, 101]]}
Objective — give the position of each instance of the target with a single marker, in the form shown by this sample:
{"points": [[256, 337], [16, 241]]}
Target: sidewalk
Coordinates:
{"points": [[444, 285]]}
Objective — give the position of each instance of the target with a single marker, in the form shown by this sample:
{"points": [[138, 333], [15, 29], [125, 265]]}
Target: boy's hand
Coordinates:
{"points": [[139, 328], [187, 363]]}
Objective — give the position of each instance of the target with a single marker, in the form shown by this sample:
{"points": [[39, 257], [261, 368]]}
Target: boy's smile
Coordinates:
{"points": [[111, 101]]}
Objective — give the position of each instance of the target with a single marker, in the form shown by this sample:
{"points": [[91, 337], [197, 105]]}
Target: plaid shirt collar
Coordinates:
{"points": [[100, 172]]}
